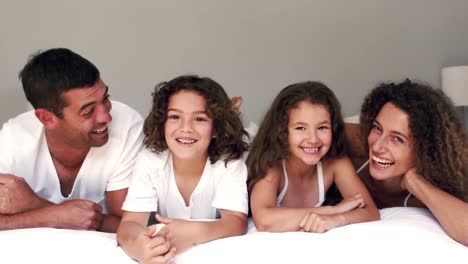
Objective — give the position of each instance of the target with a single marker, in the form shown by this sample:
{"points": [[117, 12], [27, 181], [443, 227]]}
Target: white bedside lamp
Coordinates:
{"points": [[455, 86]]}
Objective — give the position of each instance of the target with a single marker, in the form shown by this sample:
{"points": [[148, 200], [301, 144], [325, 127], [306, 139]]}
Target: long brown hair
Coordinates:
{"points": [[270, 145], [438, 140], [229, 143]]}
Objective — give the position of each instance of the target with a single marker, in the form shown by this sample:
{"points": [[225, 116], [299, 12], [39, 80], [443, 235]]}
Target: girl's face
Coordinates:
{"points": [[309, 132], [390, 143], [188, 129]]}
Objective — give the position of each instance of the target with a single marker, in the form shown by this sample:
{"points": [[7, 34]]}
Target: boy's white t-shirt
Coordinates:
{"points": [[153, 188], [24, 153]]}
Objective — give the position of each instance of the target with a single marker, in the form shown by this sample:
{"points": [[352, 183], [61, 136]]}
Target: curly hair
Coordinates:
{"points": [[437, 137], [270, 145], [229, 142]]}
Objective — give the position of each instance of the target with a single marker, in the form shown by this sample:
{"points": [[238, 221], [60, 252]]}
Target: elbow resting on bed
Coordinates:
{"points": [[264, 222]]}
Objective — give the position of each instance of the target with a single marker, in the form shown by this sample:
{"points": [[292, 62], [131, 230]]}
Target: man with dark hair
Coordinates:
{"points": [[65, 164]]}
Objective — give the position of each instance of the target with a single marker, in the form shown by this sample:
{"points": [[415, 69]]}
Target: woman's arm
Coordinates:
{"points": [[451, 212], [269, 217], [140, 243]]}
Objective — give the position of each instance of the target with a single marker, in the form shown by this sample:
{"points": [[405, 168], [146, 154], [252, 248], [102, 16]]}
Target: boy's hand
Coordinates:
{"points": [[155, 249], [180, 233]]}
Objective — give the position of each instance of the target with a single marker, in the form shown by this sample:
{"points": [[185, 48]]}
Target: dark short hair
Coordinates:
{"points": [[270, 145], [438, 139], [229, 142], [48, 74]]}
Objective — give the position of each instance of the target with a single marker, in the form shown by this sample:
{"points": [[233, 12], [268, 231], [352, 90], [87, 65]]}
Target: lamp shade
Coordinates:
{"points": [[455, 84]]}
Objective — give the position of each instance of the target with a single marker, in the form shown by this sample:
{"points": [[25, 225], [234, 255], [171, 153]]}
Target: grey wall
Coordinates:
{"points": [[253, 48]]}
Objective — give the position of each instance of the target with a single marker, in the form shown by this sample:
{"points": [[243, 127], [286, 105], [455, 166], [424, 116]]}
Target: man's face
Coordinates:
{"points": [[86, 116]]}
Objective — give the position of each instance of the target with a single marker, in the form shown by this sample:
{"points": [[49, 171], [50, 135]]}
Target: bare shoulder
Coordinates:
{"points": [[338, 165], [274, 174]]}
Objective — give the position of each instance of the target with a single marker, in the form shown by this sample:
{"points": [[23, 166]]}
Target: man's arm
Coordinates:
{"points": [[117, 185], [114, 201], [16, 196], [74, 214]]}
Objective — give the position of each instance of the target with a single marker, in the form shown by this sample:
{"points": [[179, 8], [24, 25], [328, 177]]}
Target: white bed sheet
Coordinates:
{"points": [[403, 235]]}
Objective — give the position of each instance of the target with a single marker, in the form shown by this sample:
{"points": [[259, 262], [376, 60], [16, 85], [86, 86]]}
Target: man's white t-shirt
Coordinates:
{"points": [[153, 188], [24, 153]]}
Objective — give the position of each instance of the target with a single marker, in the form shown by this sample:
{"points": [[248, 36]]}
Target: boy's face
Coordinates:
{"points": [[86, 116], [309, 132], [188, 129]]}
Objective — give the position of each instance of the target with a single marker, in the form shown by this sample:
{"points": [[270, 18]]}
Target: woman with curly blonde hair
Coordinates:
{"points": [[417, 150]]}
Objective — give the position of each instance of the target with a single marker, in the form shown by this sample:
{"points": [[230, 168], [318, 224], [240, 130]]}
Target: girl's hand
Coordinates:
{"points": [[180, 233], [317, 223], [350, 203], [154, 249]]}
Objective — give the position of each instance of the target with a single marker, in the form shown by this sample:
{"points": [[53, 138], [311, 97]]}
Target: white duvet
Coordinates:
{"points": [[403, 235]]}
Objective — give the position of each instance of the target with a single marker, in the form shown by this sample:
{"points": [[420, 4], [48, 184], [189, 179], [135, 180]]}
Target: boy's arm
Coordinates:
{"points": [[231, 224], [140, 243], [183, 234]]}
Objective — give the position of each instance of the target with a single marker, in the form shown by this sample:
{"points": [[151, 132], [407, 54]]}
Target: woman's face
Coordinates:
{"points": [[390, 144]]}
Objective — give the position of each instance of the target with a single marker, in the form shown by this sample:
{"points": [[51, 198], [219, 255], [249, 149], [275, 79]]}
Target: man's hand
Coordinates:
{"points": [[154, 249], [180, 233], [16, 196], [76, 214]]}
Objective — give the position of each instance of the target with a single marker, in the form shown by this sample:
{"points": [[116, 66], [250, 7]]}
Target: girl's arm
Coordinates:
{"points": [[451, 212], [350, 187], [267, 216], [183, 234], [139, 242]]}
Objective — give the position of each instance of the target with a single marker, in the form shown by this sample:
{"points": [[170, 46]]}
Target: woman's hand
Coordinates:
{"points": [[408, 178]]}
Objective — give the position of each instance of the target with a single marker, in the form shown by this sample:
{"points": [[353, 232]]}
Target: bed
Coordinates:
{"points": [[403, 235]]}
